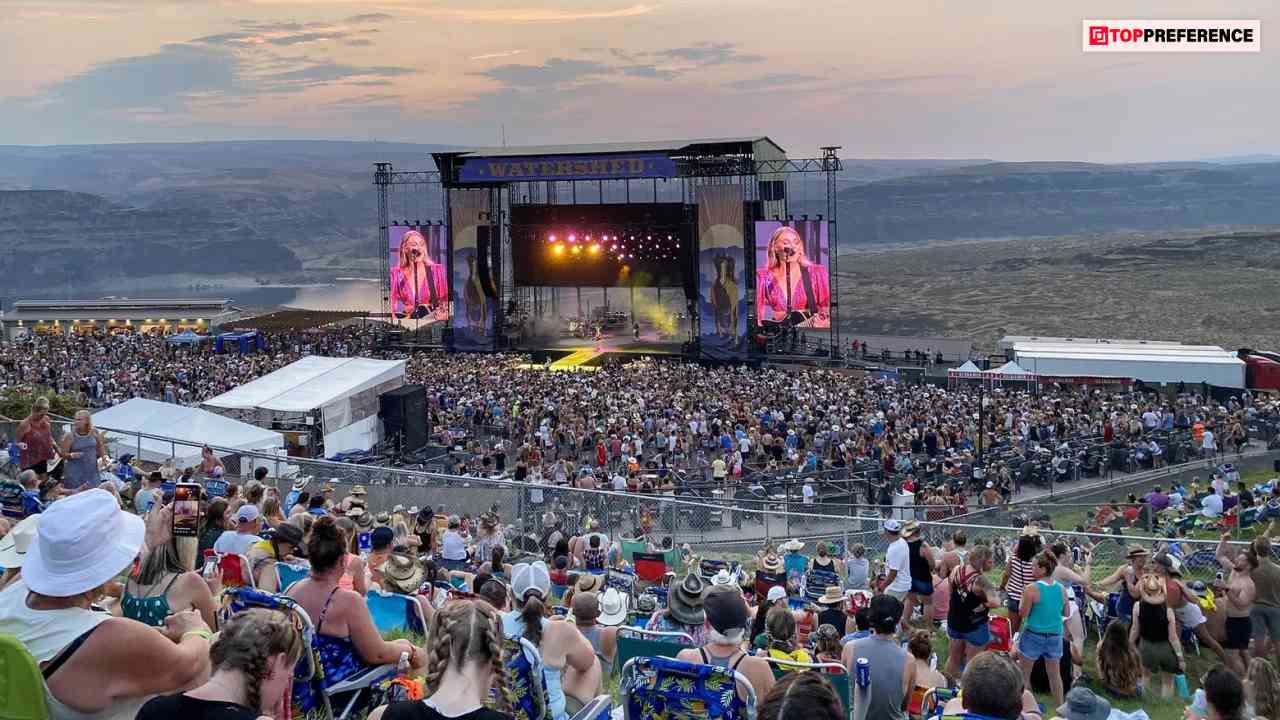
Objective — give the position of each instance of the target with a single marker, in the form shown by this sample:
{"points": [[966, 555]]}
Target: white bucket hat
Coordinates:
{"points": [[82, 542], [14, 546]]}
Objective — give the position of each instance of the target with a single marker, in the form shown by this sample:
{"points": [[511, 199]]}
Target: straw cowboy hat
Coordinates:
{"points": [[402, 573], [684, 601], [301, 483], [1136, 551], [910, 529], [831, 596], [359, 490], [588, 582], [1029, 530], [792, 545]]}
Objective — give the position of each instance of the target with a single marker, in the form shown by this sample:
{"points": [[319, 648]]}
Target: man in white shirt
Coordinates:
{"points": [[1207, 444], [237, 542], [897, 561], [1211, 506]]}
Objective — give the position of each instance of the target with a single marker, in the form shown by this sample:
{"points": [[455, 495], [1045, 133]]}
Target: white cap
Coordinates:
{"points": [[247, 513], [777, 592], [892, 526], [530, 577]]}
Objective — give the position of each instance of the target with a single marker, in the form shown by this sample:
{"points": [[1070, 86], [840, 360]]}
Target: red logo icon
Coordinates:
{"points": [[1098, 35]]}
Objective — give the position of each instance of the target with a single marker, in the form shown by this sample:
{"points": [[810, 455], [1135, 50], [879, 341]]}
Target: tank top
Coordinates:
{"points": [[887, 659], [39, 443], [1153, 622], [919, 564], [513, 627], [834, 617], [968, 611], [1019, 574], [1046, 614], [148, 609], [722, 661], [43, 632], [83, 470]]}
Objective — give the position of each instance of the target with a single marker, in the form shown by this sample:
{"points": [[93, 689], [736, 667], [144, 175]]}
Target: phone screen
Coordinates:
{"points": [[186, 510]]}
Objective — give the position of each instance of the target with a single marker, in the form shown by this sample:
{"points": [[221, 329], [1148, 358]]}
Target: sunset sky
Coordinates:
{"points": [[1003, 79]]}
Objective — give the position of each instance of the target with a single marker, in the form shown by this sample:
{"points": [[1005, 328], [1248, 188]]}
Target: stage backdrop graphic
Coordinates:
{"points": [[722, 304], [795, 251], [473, 309], [418, 252]]}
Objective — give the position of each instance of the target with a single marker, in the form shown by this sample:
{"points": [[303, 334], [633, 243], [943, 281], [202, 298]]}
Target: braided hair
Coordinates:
{"points": [[461, 631], [248, 642]]}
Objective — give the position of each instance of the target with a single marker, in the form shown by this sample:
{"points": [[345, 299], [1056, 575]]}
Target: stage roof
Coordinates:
{"points": [[672, 146]]}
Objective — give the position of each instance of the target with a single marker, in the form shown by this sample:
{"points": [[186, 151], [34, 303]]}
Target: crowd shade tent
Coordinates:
{"points": [[1151, 363], [967, 371], [333, 400], [186, 337], [191, 427]]}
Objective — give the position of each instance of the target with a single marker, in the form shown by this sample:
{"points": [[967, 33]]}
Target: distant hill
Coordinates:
{"points": [[994, 200]]}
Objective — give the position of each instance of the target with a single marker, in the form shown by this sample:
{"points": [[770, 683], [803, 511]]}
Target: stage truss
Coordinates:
{"points": [[417, 197]]}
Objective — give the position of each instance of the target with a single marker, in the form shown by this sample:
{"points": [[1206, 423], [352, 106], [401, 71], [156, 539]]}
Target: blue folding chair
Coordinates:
{"points": [[287, 574], [664, 687], [600, 708], [522, 665], [395, 612]]}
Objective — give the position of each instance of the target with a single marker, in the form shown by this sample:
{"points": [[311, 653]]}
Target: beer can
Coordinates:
{"points": [[862, 673]]}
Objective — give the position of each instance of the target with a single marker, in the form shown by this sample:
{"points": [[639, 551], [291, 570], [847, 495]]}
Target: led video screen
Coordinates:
{"points": [[609, 245], [792, 287], [419, 282]]}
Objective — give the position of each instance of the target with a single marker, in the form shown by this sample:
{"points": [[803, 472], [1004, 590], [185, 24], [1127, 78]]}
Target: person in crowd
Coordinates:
{"points": [[163, 585], [1044, 606], [857, 568], [355, 574], [1119, 667], [1154, 632], [35, 440], [248, 525], [1083, 704], [725, 617], [96, 665], [380, 542], [463, 668], [497, 565], [150, 495], [210, 463], [897, 561], [252, 663], [495, 593], [1184, 604], [1237, 602], [32, 504], [346, 640], [453, 549], [571, 671], [827, 647], [992, 688], [1126, 578], [278, 544], [271, 514], [1265, 615], [831, 611], [684, 611], [891, 674], [213, 523], [1262, 689], [920, 649], [801, 695], [1018, 572], [920, 565], [780, 625], [1224, 692], [973, 597], [81, 448]]}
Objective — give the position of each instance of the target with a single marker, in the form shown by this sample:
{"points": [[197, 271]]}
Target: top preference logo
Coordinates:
{"points": [[1172, 35]]}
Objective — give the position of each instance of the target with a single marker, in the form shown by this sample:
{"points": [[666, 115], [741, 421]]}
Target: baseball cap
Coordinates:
{"points": [[776, 593], [885, 612], [247, 514], [529, 578], [725, 609], [892, 526]]}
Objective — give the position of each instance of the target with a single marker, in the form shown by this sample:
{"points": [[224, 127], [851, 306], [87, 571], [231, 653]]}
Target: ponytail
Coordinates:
{"points": [[531, 613]]}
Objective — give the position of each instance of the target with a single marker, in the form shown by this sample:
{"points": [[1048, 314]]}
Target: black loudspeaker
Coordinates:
{"points": [[488, 258], [404, 412]]}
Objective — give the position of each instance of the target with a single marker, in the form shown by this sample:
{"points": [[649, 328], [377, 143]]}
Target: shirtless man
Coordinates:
{"points": [[1127, 576], [955, 555], [1184, 604], [1238, 603]]}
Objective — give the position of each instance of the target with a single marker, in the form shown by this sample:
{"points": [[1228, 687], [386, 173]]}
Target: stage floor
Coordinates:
{"points": [[648, 343]]}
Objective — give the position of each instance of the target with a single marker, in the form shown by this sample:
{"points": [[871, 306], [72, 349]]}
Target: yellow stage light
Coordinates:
{"points": [[577, 249], [557, 249], [595, 249]]}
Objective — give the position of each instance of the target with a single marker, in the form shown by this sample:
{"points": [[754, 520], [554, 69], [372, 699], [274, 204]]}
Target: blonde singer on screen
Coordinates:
{"points": [[419, 290], [810, 288]]}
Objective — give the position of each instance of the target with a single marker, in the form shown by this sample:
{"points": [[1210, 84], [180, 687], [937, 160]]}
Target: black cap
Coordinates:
{"points": [[885, 612], [382, 536], [725, 608], [286, 532]]}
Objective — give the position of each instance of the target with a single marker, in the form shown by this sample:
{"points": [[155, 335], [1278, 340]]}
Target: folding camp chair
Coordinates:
{"points": [[934, 700], [650, 567], [600, 708], [235, 570], [288, 573], [817, 581], [22, 693], [634, 642], [631, 548], [395, 612], [522, 664], [661, 686]]}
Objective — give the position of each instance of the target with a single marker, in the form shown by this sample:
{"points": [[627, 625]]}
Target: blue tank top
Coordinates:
{"points": [[1046, 614], [513, 627]]}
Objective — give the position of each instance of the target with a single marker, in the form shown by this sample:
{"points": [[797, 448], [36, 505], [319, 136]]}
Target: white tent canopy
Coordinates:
{"points": [[967, 370], [1010, 371], [189, 425]]}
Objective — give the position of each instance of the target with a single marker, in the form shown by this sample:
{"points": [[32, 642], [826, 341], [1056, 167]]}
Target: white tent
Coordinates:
{"points": [[339, 393], [189, 425], [1010, 371], [967, 371]]}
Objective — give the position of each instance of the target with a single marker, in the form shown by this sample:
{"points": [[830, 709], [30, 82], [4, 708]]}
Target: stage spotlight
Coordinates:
{"points": [[595, 249], [551, 238], [557, 249], [577, 249], [573, 238]]}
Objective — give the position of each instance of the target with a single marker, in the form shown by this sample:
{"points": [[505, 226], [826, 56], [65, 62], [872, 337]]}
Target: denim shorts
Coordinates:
{"points": [[922, 588], [1034, 645], [1012, 604], [978, 637]]}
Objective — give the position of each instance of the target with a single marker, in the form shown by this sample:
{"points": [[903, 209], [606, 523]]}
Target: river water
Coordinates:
{"points": [[346, 294]]}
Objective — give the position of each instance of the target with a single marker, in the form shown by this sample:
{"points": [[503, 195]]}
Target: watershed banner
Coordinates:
{"points": [[473, 309], [419, 277], [578, 167], [722, 302], [792, 287]]}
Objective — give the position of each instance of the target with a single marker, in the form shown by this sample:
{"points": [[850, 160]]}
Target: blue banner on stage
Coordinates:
{"points": [[590, 167]]}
